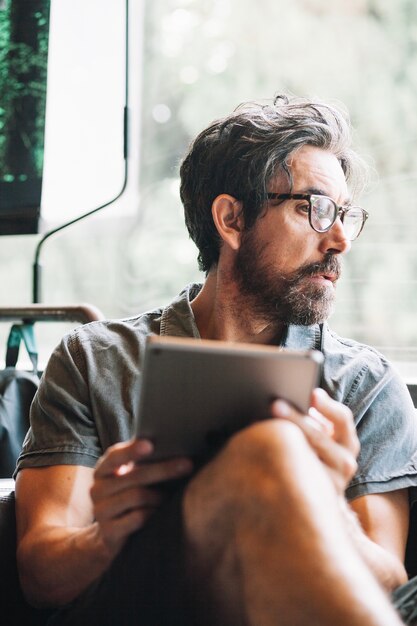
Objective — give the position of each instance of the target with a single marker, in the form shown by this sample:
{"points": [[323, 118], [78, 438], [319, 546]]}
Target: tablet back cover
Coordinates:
{"points": [[196, 393]]}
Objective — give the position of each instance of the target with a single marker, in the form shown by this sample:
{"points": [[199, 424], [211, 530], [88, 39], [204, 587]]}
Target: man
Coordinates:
{"points": [[298, 519]]}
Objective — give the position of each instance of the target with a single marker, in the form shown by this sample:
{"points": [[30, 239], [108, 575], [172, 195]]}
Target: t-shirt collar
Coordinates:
{"points": [[178, 320]]}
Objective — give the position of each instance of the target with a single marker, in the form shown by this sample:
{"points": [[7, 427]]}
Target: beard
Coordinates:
{"points": [[284, 297]]}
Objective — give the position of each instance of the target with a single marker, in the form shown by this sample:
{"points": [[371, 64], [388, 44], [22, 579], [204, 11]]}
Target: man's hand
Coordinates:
{"points": [[330, 430], [121, 493], [72, 520]]}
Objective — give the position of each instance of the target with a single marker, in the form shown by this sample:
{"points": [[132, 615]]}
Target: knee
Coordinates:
{"points": [[269, 458], [271, 446], [259, 468]]}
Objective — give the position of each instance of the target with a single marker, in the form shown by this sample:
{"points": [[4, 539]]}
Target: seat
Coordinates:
{"points": [[14, 610]]}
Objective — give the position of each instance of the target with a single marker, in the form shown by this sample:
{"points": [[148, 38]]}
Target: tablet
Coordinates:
{"points": [[196, 393]]}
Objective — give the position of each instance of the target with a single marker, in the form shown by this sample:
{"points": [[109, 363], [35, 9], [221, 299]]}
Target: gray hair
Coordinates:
{"points": [[240, 154]]}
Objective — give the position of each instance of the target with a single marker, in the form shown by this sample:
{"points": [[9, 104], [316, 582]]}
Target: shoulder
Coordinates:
{"points": [[127, 336], [103, 340], [366, 381], [116, 329], [349, 351], [357, 374]]}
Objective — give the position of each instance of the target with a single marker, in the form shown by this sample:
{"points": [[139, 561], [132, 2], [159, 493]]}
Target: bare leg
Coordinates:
{"points": [[268, 543]]}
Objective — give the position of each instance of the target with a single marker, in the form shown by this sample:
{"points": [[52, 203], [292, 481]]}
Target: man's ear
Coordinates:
{"points": [[228, 218]]}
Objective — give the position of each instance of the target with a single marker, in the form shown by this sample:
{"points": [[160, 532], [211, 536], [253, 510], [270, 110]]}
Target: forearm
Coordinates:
{"points": [[386, 567], [61, 563], [61, 551]]}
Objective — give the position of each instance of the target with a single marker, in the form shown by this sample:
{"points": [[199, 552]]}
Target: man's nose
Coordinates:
{"points": [[335, 241]]}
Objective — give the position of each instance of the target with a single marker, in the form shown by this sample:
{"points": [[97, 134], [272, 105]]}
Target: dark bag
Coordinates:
{"points": [[17, 388]]}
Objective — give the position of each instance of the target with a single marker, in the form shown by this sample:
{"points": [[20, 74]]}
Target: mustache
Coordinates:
{"points": [[331, 265]]}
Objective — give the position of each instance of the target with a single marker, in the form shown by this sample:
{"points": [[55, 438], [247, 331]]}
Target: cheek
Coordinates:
{"points": [[291, 253], [291, 259], [286, 243]]}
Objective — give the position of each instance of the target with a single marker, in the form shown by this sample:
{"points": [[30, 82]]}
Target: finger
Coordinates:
{"points": [[115, 532], [282, 409], [122, 455], [140, 475], [335, 456], [340, 416], [160, 471], [320, 422], [123, 502], [313, 424]]}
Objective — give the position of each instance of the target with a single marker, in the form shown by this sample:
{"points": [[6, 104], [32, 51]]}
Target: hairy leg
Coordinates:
{"points": [[267, 542]]}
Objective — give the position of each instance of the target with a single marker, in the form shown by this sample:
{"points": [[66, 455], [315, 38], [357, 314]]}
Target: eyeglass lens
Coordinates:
{"points": [[324, 213], [352, 222]]}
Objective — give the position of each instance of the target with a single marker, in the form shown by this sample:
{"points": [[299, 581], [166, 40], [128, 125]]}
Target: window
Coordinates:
{"points": [[204, 58], [191, 61]]}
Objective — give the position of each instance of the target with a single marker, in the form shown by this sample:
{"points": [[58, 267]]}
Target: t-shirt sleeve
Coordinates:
{"points": [[62, 429], [386, 423]]}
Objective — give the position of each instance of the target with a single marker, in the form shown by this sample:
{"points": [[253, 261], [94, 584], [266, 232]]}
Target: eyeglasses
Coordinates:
{"points": [[323, 212]]}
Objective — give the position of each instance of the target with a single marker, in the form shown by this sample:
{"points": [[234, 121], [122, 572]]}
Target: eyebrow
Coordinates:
{"points": [[321, 192]]}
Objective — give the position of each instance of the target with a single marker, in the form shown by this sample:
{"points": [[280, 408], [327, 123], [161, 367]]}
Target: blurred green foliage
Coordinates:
{"points": [[24, 30]]}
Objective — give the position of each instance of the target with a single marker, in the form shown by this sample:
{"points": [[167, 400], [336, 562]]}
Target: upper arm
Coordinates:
{"points": [[52, 496], [385, 518]]}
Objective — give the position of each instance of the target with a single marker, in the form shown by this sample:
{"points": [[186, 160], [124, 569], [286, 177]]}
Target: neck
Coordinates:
{"points": [[222, 313]]}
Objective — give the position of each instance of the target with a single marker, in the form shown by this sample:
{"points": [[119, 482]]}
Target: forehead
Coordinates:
{"points": [[317, 170]]}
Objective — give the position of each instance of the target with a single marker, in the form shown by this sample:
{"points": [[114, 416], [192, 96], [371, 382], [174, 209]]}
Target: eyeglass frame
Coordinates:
{"points": [[340, 211]]}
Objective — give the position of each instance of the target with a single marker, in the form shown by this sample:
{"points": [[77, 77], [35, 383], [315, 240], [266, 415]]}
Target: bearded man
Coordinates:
{"points": [[297, 519]]}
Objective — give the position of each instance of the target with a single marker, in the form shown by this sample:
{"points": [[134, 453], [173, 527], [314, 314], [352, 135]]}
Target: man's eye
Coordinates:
{"points": [[303, 208]]}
